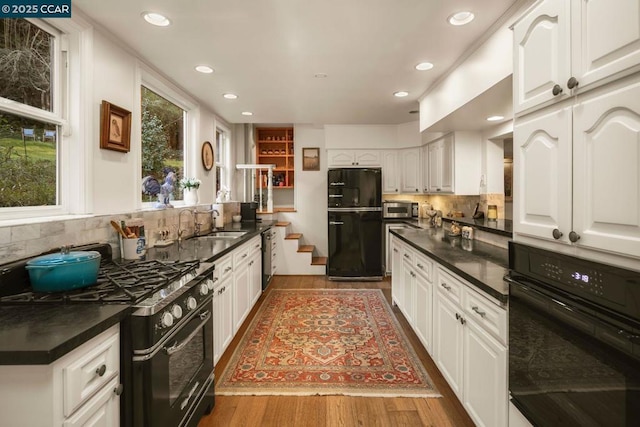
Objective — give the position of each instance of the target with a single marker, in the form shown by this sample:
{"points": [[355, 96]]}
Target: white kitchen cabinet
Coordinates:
{"points": [[577, 166], [411, 170], [407, 304], [244, 277], [470, 335], [391, 176], [222, 307], [80, 388], [423, 314], [572, 46], [353, 158], [453, 165], [397, 272], [255, 271], [424, 161]]}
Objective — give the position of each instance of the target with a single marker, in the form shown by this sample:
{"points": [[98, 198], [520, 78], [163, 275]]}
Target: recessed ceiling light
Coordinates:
{"points": [[247, 113], [461, 18], [204, 69], [424, 66], [494, 118], [156, 19], [230, 96], [401, 94], [320, 76]]}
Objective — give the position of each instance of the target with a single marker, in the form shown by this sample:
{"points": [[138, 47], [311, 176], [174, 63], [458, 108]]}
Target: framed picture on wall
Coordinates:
{"points": [[311, 159], [115, 127]]}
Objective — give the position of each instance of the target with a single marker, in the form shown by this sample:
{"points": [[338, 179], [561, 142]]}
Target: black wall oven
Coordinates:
{"points": [[574, 340]]}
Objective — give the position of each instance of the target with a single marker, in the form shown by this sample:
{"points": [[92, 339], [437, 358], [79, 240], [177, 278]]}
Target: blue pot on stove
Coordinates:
{"points": [[64, 271]]}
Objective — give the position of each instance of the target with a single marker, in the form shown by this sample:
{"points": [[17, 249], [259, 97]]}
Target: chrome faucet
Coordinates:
{"points": [[181, 231]]}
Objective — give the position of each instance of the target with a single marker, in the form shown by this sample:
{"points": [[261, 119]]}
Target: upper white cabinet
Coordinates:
{"points": [[453, 164], [355, 158], [411, 170], [564, 47], [578, 171], [390, 172]]}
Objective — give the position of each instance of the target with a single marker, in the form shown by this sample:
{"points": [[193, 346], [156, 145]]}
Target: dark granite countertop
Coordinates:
{"points": [[39, 335], [481, 264]]}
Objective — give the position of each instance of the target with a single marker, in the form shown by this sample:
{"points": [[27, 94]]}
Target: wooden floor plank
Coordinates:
{"points": [[333, 411]]}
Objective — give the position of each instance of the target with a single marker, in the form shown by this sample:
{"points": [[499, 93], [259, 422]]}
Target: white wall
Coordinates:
{"points": [[310, 217], [360, 136]]}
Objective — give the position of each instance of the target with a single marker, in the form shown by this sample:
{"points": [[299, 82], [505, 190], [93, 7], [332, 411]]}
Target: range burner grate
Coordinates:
{"points": [[118, 283]]}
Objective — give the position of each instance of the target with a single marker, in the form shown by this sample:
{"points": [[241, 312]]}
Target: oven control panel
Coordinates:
{"points": [[582, 278]]}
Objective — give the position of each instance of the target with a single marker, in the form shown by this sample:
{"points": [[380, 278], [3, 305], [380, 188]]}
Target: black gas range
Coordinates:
{"points": [[166, 342]]}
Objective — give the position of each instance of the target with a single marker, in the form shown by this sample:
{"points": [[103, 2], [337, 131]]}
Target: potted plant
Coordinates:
{"points": [[190, 190]]}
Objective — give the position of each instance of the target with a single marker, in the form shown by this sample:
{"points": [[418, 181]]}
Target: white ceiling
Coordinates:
{"points": [[268, 51]]}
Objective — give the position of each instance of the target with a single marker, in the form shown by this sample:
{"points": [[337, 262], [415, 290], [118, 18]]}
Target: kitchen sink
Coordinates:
{"points": [[224, 235]]}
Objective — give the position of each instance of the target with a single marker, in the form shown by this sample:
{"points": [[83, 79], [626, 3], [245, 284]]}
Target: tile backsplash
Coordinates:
{"points": [[26, 240], [448, 202]]}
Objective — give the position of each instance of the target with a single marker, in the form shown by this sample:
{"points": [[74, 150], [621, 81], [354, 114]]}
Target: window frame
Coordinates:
{"points": [[59, 94], [223, 161], [154, 82]]}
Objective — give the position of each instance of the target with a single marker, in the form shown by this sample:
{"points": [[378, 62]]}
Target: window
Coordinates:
{"points": [[30, 114], [163, 144], [221, 157]]}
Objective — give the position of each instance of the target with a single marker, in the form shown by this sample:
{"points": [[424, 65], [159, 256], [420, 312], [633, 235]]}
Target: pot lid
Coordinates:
{"points": [[63, 258]]}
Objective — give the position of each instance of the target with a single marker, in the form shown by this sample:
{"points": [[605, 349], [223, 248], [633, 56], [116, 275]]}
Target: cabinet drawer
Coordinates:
{"points": [[240, 255], [450, 286], [407, 254], [89, 371], [486, 314], [223, 269], [102, 410], [255, 244], [423, 266]]}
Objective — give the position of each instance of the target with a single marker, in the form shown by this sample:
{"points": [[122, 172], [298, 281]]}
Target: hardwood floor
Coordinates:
{"points": [[317, 411]]}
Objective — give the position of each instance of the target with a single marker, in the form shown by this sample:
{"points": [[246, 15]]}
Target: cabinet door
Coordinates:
{"points": [[390, 172], [435, 166], [408, 283], [542, 174], [411, 172], [424, 162], [397, 273], [241, 295], [255, 268], [606, 181], [367, 158], [485, 377], [447, 171], [605, 38], [226, 331], [103, 409], [424, 311], [448, 342], [542, 55], [340, 158]]}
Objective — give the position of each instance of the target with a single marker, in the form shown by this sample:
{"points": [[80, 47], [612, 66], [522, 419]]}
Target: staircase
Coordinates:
{"points": [[295, 257]]}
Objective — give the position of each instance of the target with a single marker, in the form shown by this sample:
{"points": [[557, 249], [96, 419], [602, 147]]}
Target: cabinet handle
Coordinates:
{"points": [[556, 233], [462, 321], [457, 316], [396, 190], [420, 266], [412, 274], [407, 256], [447, 287], [118, 390], [244, 256], [572, 83], [477, 310], [437, 189], [101, 370], [557, 90], [227, 269], [574, 237], [395, 250]]}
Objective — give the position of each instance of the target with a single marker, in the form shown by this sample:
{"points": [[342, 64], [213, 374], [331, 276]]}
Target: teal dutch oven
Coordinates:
{"points": [[63, 271]]}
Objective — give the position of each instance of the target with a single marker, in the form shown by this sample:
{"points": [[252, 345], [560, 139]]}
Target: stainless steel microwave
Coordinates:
{"points": [[397, 209]]}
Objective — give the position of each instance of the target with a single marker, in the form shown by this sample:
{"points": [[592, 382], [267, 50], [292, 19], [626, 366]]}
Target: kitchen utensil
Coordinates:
{"points": [[118, 229], [63, 271]]}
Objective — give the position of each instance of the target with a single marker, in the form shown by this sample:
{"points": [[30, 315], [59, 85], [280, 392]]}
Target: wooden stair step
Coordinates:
{"points": [[282, 224], [319, 260], [306, 248], [293, 236]]}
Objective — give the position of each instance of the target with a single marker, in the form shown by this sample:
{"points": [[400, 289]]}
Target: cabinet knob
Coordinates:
{"points": [[118, 390], [101, 370], [557, 90], [572, 83], [574, 237], [396, 190], [556, 233], [457, 316]]}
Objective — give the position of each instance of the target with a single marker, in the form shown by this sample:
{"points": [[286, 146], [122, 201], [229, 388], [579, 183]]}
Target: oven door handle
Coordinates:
{"points": [[177, 347]]}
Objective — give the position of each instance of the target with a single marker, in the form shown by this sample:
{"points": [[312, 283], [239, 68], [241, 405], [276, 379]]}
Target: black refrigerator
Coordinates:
{"points": [[355, 224]]}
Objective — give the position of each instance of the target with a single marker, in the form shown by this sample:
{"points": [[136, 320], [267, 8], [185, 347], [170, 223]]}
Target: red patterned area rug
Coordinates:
{"points": [[324, 342]]}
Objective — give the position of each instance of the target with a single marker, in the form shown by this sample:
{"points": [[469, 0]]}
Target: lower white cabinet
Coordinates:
{"points": [[222, 307], [247, 283], [255, 272], [81, 388], [471, 335]]}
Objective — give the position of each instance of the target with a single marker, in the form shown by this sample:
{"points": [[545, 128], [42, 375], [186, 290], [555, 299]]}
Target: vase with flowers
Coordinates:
{"points": [[190, 190]]}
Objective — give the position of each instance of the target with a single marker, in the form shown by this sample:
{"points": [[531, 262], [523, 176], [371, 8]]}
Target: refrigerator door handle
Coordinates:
{"points": [[335, 196], [336, 223], [336, 184]]}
